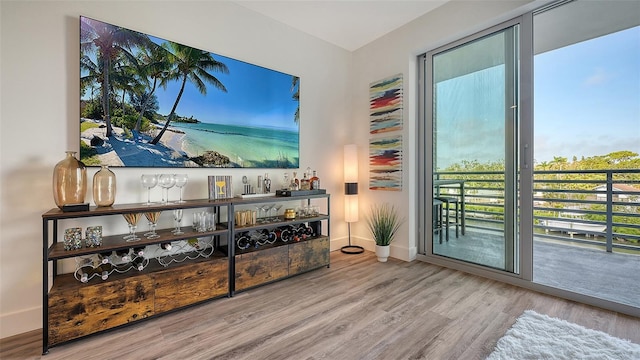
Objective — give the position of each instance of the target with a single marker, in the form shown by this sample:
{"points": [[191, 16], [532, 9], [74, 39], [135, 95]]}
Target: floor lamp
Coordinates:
{"points": [[351, 194]]}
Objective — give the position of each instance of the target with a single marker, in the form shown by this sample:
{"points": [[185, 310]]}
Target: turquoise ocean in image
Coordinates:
{"points": [[245, 146]]}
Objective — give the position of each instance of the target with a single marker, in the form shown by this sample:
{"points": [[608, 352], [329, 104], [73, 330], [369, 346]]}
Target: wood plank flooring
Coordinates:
{"points": [[357, 309]]}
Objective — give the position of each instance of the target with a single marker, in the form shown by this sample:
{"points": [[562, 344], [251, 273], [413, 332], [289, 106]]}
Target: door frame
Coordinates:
{"points": [[522, 170]]}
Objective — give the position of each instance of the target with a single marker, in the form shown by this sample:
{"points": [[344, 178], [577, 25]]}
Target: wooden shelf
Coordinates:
{"points": [[116, 242], [133, 208], [281, 222], [275, 245], [133, 295]]}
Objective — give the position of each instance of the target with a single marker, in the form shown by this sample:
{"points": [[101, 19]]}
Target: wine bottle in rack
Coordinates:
{"points": [[308, 231], [242, 241], [103, 271], [123, 254], [271, 237], [138, 263], [297, 234], [138, 251], [287, 234], [194, 243], [85, 268], [105, 257], [166, 246]]}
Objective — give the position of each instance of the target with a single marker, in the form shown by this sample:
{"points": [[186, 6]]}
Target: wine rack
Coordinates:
{"points": [[200, 265]]}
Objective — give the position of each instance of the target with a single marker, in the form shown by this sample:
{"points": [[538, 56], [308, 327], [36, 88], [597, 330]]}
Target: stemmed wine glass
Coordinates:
{"points": [[266, 208], [166, 181], [258, 212], [277, 208], [177, 216], [153, 222], [181, 181], [132, 220], [149, 181]]}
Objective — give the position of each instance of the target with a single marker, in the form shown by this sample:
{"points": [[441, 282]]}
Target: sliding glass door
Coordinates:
{"points": [[472, 111]]}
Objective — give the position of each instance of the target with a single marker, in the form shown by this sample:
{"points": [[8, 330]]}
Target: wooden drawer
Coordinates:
{"points": [[75, 311], [308, 255], [189, 284], [260, 267]]}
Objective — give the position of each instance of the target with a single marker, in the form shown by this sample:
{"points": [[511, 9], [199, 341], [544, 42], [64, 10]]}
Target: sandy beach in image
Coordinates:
{"points": [[122, 151]]}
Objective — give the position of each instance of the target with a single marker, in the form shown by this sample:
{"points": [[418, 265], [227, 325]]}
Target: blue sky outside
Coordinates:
{"points": [[586, 103], [587, 97]]}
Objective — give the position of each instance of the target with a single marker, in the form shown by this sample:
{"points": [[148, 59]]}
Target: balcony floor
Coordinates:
{"points": [[580, 269]]}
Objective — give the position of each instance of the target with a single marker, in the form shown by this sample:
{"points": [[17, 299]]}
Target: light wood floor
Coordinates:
{"points": [[357, 309]]}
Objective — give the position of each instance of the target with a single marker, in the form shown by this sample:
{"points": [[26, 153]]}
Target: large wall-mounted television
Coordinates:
{"points": [[151, 102]]}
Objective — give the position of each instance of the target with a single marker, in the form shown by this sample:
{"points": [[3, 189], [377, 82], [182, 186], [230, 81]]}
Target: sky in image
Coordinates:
{"points": [[586, 103], [252, 92], [587, 98]]}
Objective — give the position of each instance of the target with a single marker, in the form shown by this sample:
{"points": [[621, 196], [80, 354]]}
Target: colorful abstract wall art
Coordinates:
{"points": [[385, 163], [385, 105]]}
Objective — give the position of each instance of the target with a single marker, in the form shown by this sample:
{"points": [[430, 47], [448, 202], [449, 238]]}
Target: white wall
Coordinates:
{"points": [[39, 114], [396, 53]]}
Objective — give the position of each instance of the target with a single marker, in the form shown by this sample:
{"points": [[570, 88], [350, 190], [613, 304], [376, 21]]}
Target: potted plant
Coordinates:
{"points": [[383, 222]]}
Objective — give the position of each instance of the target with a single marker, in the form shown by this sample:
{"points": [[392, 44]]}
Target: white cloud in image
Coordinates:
{"points": [[600, 76]]}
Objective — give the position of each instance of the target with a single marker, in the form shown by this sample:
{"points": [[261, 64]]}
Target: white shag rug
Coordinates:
{"points": [[536, 336]]}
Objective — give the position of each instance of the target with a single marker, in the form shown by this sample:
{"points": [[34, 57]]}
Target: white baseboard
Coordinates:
{"points": [[20, 322]]}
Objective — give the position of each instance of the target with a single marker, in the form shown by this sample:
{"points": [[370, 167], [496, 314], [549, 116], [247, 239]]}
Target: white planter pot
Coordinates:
{"points": [[382, 252]]}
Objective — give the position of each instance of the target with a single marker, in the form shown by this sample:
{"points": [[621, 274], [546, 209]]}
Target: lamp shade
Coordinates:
{"points": [[351, 163], [351, 208]]}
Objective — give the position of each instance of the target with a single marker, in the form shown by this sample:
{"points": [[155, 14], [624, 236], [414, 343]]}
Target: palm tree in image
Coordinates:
{"points": [[109, 41], [125, 78], [155, 65], [193, 65], [295, 89]]}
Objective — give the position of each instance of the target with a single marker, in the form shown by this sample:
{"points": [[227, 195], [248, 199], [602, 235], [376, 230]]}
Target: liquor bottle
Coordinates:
{"points": [[105, 257], [138, 251], [295, 183], [124, 255], [138, 263], [315, 181], [267, 184], [166, 246], [305, 183]]}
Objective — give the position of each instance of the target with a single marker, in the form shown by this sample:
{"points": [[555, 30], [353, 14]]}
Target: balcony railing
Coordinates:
{"points": [[593, 207]]}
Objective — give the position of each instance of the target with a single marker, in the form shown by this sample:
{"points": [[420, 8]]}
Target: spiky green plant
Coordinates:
{"points": [[384, 223]]}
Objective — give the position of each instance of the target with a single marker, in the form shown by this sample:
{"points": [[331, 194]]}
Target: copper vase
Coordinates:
{"points": [[69, 181], [104, 187]]}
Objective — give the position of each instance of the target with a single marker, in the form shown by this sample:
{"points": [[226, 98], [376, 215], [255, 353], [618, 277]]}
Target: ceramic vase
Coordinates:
{"points": [[104, 187], [382, 252], [69, 181]]}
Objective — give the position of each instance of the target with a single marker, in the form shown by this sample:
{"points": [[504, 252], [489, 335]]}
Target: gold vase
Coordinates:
{"points": [[104, 187], [69, 181]]}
